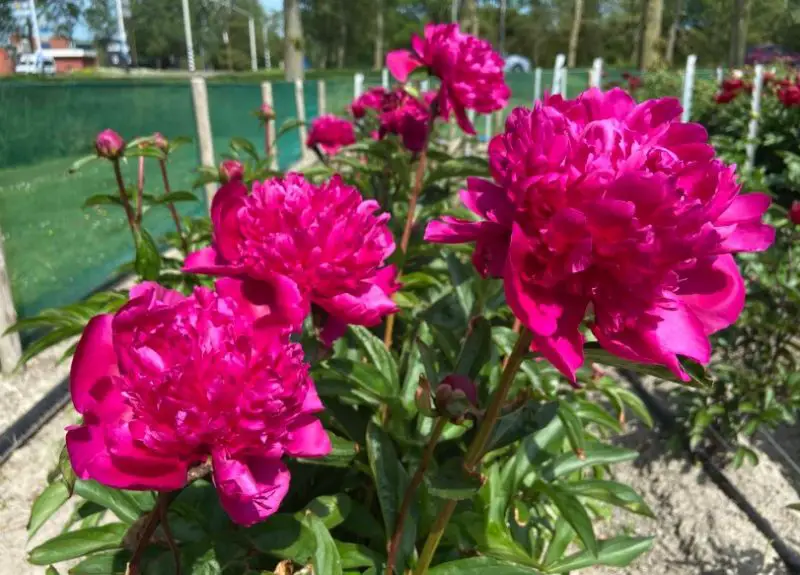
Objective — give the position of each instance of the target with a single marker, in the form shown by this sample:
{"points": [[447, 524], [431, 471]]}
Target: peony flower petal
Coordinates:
{"points": [[365, 306], [250, 488], [208, 261], [564, 348], [94, 360], [488, 200], [308, 438], [749, 237], [745, 208], [401, 63], [224, 208], [714, 292], [276, 303]]}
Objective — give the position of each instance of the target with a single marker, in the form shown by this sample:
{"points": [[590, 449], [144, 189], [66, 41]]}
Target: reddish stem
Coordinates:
{"points": [[172, 210], [123, 196], [140, 191]]}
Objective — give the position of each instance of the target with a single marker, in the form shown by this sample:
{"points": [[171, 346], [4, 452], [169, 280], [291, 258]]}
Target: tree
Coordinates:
{"points": [[100, 19], [378, 62], [7, 25], [293, 41], [469, 20], [651, 34], [673, 32], [738, 45], [574, 33]]}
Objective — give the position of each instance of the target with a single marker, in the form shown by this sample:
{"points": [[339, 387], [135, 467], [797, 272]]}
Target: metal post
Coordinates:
{"points": [[564, 76], [321, 98], [267, 58], [10, 347], [266, 98], [502, 34], [35, 27], [385, 78], [251, 23], [454, 11], [467, 137], [424, 86], [537, 84], [688, 87], [755, 113], [596, 76], [203, 122], [557, 69], [187, 31], [123, 37], [358, 84], [300, 102], [720, 76]]}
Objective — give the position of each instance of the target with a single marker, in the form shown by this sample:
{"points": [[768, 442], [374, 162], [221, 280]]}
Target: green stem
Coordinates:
{"points": [[171, 207], [123, 196], [478, 445], [408, 496]]}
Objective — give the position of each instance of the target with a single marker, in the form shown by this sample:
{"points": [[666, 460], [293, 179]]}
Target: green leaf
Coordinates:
{"points": [[594, 353], [103, 563], [793, 506], [451, 481], [481, 566], [429, 363], [283, 536], [102, 199], [573, 427], [617, 552], [391, 481], [331, 509], [461, 276], [148, 260], [244, 145], [75, 544], [617, 494], [637, 406], [591, 412], [518, 424], [562, 537], [354, 556], [287, 126], [595, 454], [459, 168], [378, 354], [118, 501], [51, 571], [146, 152], [342, 453], [477, 348], [80, 162], [363, 375], [178, 196], [49, 501], [65, 467], [326, 556], [574, 513]]}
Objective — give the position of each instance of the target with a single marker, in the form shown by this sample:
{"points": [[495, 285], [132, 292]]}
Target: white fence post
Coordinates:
{"points": [[564, 76], [300, 102], [424, 86], [468, 145], [385, 78], [10, 346], [537, 84], [202, 120], [755, 112], [688, 87], [720, 76], [487, 126], [322, 101], [596, 75], [557, 71], [358, 85], [266, 98]]}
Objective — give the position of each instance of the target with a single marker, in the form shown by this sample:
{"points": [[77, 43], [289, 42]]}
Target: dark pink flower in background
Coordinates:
{"points": [[404, 115], [471, 72], [599, 203], [170, 381], [231, 171], [794, 213], [109, 144], [326, 240], [789, 96], [330, 133], [372, 99], [725, 97]]}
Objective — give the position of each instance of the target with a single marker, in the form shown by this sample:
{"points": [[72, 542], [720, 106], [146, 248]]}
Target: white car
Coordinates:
{"points": [[517, 63], [36, 64]]}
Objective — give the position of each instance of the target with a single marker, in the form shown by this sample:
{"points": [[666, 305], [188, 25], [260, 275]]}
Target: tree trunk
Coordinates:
{"points": [[743, 25], [293, 42], [575, 33], [378, 63], [673, 32], [638, 39], [469, 21], [340, 51], [652, 34], [733, 48]]}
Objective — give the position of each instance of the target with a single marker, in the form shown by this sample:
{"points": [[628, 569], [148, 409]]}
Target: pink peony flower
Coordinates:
{"points": [[330, 133], [794, 213], [109, 144], [231, 171], [599, 203], [725, 97], [372, 99], [324, 239], [471, 73], [404, 115], [172, 381]]}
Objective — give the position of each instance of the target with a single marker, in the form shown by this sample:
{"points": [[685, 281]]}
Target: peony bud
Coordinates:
{"points": [[266, 113], [794, 213], [231, 171], [159, 141], [109, 144], [455, 397]]}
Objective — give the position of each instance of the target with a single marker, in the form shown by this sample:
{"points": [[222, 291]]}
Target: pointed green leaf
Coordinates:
{"points": [[79, 163], [75, 544], [573, 427], [331, 509], [118, 501], [481, 566], [378, 354], [342, 453], [595, 454], [65, 468], [363, 375], [617, 552], [148, 259], [354, 556], [477, 348], [574, 513], [102, 199], [49, 501], [451, 481], [283, 536], [244, 145], [326, 557], [562, 537], [103, 563], [617, 494], [518, 424], [178, 196], [287, 126]]}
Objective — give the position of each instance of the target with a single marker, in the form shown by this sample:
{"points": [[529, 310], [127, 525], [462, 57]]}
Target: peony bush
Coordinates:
{"points": [[391, 361]]}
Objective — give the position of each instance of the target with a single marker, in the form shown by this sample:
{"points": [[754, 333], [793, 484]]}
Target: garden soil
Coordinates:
{"points": [[698, 530]]}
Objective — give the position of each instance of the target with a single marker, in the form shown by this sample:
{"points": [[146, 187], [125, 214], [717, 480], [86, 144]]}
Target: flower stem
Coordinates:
{"points": [[408, 496], [140, 191], [478, 445], [150, 526], [172, 210], [123, 196], [267, 149]]}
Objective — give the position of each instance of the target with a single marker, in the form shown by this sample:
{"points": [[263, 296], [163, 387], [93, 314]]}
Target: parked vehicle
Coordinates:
{"points": [[517, 63], [38, 63]]}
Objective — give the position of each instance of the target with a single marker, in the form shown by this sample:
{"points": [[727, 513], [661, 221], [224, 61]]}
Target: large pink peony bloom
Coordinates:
{"points": [[601, 204], [171, 381], [330, 133], [470, 71], [372, 99], [324, 239]]}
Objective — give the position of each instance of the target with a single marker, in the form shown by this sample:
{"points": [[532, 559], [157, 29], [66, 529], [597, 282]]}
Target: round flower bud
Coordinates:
{"points": [[109, 144], [231, 171]]}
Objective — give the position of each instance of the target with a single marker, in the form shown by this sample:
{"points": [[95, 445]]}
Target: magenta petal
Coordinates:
{"points": [[450, 230], [488, 200], [463, 119], [745, 208], [94, 359], [749, 237], [364, 307], [308, 438], [401, 63], [276, 302], [564, 348], [333, 329], [714, 292], [208, 261], [90, 457], [311, 402], [250, 488], [224, 215]]}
